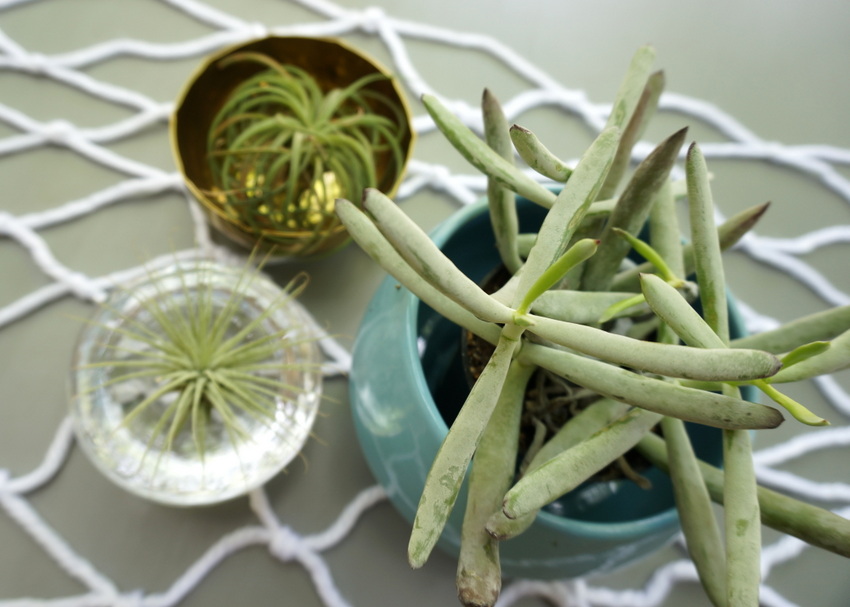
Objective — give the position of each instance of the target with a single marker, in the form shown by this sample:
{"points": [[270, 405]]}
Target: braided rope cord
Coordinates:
{"points": [[821, 162]]}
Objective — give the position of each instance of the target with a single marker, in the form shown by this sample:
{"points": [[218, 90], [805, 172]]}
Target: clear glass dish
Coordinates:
{"points": [[136, 454]]}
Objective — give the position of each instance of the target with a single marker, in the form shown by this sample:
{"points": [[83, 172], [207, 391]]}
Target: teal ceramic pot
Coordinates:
{"points": [[406, 359]]}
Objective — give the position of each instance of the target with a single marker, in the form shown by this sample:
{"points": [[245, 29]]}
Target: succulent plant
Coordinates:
{"points": [[282, 148], [625, 333]]}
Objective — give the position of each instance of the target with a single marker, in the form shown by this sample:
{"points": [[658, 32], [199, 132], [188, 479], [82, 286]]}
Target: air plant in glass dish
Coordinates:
{"points": [[196, 383], [612, 314], [284, 131]]}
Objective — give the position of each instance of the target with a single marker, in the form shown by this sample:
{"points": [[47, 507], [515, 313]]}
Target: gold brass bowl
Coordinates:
{"points": [[334, 65]]}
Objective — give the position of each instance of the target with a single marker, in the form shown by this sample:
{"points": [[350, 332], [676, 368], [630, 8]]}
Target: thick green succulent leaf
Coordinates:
{"points": [[479, 575], [652, 394], [501, 200], [370, 239], [585, 423], [570, 468], [537, 156], [807, 522], [452, 459], [716, 364], [479, 154], [565, 216], [420, 252], [630, 213]]}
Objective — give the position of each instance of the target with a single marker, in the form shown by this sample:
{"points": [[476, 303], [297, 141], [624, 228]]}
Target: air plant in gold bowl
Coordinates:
{"points": [[269, 134]]}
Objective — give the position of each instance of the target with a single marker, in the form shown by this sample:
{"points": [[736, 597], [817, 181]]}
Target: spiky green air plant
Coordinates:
{"points": [[569, 284], [281, 150], [208, 354]]}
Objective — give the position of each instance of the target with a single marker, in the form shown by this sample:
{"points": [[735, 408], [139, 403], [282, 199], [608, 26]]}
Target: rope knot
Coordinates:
{"points": [[35, 63], [129, 599], [257, 30], [58, 131], [84, 287], [285, 544], [371, 19]]}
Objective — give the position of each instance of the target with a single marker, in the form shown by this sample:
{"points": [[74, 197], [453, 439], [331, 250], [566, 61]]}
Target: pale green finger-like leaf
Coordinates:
{"points": [[690, 326], [642, 114], [537, 156], [742, 520], [819, 358], [631, 90], [674, 310], [452, 459], [798, 410], [728, 234], [816, 526], [586, 423], [708, 264], [479, 575], [370, 239], [693, 504], [501, 200], [664, 234], [420, 252], [652, 394], [721, 364], [646, 251], [570, 468], [631, 211], [482, 157], [576, 254], [820, 326], [621, 308], [804, 352], [581, 307], [566, 214]]}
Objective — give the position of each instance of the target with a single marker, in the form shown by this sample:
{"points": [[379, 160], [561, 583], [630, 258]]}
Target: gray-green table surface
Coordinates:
{"points": [[778, 67]]}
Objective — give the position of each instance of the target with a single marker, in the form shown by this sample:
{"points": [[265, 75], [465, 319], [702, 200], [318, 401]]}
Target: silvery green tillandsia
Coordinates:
{"points": [[569, 284], [281, 149], [197, 355]]}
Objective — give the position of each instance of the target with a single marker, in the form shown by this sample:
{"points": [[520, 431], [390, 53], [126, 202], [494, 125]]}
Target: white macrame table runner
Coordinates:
{"points": [[23, 232]]}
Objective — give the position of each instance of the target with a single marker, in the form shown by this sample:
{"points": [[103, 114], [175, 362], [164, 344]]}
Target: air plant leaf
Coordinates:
{"points": [[199, 352], [281, 149]]}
